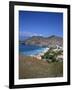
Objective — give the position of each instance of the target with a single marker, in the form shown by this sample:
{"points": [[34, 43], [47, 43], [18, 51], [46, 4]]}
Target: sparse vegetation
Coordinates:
{"points": [[30, 67]]}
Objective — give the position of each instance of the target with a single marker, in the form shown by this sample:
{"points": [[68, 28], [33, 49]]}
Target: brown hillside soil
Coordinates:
{"points": [[30, 67]]}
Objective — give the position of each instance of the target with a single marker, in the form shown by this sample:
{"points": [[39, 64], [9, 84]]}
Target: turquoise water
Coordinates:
{"points": [[29, 50]]}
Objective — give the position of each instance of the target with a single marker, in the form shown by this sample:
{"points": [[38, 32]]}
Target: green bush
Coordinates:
{"points": [[52, 55]]}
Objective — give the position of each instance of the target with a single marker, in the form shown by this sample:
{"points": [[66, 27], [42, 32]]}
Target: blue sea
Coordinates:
{"points": [[29, 50]]}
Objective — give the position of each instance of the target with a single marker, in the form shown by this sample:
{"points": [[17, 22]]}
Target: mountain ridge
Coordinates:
{"points": [[50, 41]]}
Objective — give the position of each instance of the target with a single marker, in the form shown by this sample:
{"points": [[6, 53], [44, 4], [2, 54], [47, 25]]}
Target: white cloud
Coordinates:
{"points": [[22, 33]]}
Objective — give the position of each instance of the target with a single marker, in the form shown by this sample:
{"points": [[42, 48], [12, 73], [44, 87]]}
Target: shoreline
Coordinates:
{"points": [[40, 54]]}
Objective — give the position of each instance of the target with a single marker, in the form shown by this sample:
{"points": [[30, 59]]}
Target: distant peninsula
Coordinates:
{"points": [[51, 41]]}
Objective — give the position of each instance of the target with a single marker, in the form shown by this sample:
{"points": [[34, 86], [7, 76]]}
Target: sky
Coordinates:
{"points": [[32, 23]]}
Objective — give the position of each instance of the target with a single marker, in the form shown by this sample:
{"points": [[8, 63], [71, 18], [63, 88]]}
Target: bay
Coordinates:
{"points": [[30, 50]]}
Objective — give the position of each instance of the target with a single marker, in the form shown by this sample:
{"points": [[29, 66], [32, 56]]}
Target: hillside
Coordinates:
{"points": [[51, 41], [30, 67]]}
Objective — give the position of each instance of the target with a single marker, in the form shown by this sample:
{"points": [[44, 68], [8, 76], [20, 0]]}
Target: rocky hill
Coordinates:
{"points": [[51, 41]]}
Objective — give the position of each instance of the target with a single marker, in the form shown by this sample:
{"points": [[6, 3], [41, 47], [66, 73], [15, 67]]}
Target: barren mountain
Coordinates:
{"points": [[51, 41]]}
